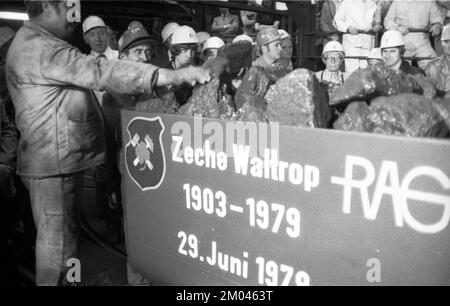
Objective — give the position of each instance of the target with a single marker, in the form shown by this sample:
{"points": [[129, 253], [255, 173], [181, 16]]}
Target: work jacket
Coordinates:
{"points": [[438, 70], [51, 83]]}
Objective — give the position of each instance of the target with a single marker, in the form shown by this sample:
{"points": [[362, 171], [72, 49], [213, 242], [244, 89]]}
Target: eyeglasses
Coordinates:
{"points": [[333, 59]]}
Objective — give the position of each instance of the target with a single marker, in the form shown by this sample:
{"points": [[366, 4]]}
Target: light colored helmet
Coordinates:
{"points": [[92, 22], [243, 37], [266, 36], [202, 37], [333, 46], [283, 34], [135, 24], [184, 35], [168, 30], [6, 34], [375, 53], [213, 43], [446, 33], [391, 39]]}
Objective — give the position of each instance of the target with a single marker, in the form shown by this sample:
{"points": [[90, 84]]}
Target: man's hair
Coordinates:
{"points": [[34, 7]]}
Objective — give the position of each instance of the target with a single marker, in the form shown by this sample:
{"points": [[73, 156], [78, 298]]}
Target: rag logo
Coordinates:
{"points": [[144, 153]]}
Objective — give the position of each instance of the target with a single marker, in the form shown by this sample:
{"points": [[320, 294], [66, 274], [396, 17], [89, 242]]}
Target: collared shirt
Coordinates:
{"points": [[51, 83], [359, 14], [412, 14], [109, 54], [438, 70], [326, 76]]}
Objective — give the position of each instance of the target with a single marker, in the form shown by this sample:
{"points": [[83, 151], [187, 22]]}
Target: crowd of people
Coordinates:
{"points": [[413, 30], [67, 104]]}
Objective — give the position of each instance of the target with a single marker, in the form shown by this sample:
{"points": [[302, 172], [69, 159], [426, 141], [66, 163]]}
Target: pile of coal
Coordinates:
{"points": [[442, 106], [407, 114], [165, 104], [298, 99], [366, 84], [353, 118], [253, 87], [252, 111], [209, 100]]}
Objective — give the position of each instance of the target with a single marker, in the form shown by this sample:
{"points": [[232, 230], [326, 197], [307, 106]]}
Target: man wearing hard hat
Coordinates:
{"points": [[374, 57], [415, 20], [95, 34], [163, 58], [333, 57], [393, 50], [285, 59], [268, 40], [8, 146], [60, 123], [211, 47], [438, 70], [183, 47]]}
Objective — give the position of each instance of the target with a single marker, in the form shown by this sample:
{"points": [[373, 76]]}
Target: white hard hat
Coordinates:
{"points": [[184, 35], [202, 37], [168, 30], [375, 53], [446, 33], [283, 34], [213, 43], [391, 39], [243, 37], [92, 22], [6, 33], [333, 46]]}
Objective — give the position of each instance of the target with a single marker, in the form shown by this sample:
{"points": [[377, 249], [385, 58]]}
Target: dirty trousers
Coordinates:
{"points": [[56, 206]]}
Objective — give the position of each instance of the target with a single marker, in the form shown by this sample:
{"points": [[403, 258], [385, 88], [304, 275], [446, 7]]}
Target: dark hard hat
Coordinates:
{"points": [[132, 36], [266, 36]]}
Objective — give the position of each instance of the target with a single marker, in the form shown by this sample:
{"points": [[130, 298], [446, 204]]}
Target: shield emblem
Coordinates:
{"points": [[144, 152]]}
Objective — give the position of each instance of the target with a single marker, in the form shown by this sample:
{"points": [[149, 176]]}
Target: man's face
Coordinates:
{"points": [[141, 53], [62, 26], [391, 56], [274, 49], [210, 53], [333, 61], [223, 11], [185, 58], [286, 48], [97, 39], [446, 47]]}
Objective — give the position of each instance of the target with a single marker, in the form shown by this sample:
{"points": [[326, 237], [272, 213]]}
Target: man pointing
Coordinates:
{"points": [[62, 131]]}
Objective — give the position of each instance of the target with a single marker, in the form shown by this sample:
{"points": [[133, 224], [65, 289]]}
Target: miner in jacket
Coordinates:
{"points": [[61, 127]]}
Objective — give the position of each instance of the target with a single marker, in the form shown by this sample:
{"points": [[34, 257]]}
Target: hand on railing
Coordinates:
{"points": [[436, 29]]}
